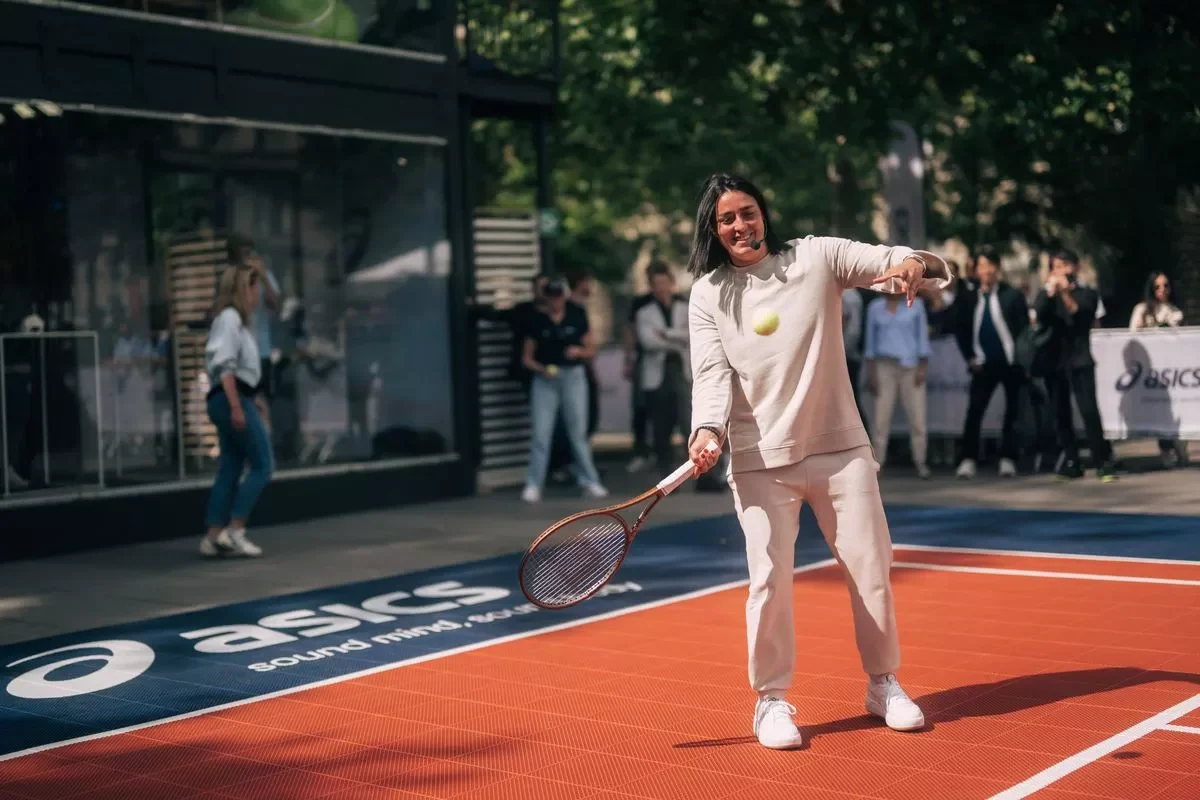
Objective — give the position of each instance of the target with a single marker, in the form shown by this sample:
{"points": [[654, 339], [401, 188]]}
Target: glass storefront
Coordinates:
{"points": [[412, 25], [113, 233]]}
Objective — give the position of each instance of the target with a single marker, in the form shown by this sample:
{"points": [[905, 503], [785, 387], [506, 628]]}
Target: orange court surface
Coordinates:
{"points": [[1049, 676]]}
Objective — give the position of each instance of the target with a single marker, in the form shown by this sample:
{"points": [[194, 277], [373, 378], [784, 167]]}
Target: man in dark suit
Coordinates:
{"points": [[989, 318], [1070, 311]]}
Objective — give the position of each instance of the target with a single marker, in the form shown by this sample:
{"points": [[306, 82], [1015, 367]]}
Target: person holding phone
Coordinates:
{"points": [[1069, 308]]}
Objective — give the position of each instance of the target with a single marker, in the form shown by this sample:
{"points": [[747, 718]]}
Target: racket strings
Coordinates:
{"points": [[574, 560]]}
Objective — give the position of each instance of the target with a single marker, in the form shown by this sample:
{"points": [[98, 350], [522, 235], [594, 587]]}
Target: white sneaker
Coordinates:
{"points": [[636, 464], [230, 542], [887, 700], [242, 545], [773, 724], [595, 490], [1007, 468], [531, 494], [923, 472], [966, 469]]}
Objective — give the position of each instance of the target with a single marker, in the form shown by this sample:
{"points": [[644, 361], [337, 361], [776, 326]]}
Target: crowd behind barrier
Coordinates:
{"points": [[1147, 386]]}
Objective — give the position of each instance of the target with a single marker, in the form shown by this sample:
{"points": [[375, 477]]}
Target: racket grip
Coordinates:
{"points": [[676, 478]]}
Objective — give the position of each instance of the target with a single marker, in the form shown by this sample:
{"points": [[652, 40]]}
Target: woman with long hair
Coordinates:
{"points": [[769, 376], [1157, 310], [234, 372]]}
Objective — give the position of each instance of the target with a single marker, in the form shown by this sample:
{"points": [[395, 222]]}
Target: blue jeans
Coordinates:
{"points": [[229, 500], [568, 391]]}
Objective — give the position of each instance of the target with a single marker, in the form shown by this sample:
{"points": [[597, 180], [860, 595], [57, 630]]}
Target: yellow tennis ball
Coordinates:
{"points": [[551, 371], [765, 322]]}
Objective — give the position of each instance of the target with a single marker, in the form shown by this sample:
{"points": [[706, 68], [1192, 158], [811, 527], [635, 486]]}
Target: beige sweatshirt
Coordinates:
{"points": [[784, 396]]}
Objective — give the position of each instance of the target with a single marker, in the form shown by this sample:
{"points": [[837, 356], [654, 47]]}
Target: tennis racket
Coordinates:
{"points": [[575, 557]]}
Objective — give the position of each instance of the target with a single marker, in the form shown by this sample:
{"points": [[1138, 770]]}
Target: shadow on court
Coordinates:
{"points": [[997, 698]]}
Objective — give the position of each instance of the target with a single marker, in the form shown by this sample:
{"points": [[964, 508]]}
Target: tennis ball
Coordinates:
{"points": [[765, 322], [551, 371]]}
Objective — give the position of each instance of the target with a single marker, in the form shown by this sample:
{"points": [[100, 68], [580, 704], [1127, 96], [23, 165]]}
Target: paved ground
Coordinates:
{"points": [[105, 587]]}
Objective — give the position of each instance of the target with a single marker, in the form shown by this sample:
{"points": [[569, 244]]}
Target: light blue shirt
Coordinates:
{"points": [[902, 335]]}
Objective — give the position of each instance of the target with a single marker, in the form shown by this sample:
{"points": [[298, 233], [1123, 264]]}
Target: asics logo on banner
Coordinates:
{"points": [[1167, 378], [289, 626], [111, 663]]}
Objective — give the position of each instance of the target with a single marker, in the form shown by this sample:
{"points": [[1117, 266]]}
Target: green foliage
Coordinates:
{"points": [[1051, 122]]}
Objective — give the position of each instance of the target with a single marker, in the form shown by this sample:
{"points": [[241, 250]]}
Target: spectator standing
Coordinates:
{"points": [[1069, 309], [557, 345], [897, 360], [1157, 311], [662, 334], [633, 373], [989, 321], [235, 408]]}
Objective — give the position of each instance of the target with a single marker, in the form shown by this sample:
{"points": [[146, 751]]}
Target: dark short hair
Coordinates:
{"points": [[1066, 255], [658, 268], [707, 251], [990, 254], [237, 246]]}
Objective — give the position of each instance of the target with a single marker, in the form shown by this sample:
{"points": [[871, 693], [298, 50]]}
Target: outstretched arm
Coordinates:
{"points": [[712, 376], [891, 270]]}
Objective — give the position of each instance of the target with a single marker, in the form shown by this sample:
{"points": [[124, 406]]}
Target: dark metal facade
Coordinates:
{"points": [[140, 65]]}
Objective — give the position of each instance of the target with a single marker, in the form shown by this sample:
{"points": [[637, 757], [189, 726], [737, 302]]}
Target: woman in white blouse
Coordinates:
{"points": [[1157, 311], [234, 371]]}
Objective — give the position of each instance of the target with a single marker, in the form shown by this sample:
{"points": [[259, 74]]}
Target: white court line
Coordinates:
{"points": [[1039, 554], [1097, 751], [666, 601], [1182, 729], [1037, 573]]}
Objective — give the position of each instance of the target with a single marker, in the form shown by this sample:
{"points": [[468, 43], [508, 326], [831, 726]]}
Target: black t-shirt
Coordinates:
{"points": [[552, 339]]}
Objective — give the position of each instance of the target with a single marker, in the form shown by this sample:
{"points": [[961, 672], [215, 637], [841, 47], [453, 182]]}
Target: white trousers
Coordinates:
{"points": [[843, 491], [891, 379]]}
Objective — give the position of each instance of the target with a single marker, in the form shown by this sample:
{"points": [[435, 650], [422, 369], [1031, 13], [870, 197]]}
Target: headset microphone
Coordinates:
{"points": [[755, 244]]}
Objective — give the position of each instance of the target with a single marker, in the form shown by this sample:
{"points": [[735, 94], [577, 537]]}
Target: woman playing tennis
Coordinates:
{"points": [[782, 398]]}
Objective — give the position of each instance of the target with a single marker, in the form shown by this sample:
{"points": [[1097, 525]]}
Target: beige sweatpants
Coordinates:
{"points": [[843, 491], [891, 380]]}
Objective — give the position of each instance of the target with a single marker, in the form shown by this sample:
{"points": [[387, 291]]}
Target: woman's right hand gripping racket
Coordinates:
{"points": [[575, 557]]}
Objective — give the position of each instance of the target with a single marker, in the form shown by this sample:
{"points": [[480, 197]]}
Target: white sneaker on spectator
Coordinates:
{"points": [[773, 724], [1007, 468], [966, 469], [531, 494], [886, 699], [230, 542], [636, 464], [923, 472], [595, 490]]}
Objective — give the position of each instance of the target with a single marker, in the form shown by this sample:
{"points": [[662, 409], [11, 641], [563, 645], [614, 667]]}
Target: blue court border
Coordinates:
{"points": [[471, 604]]}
